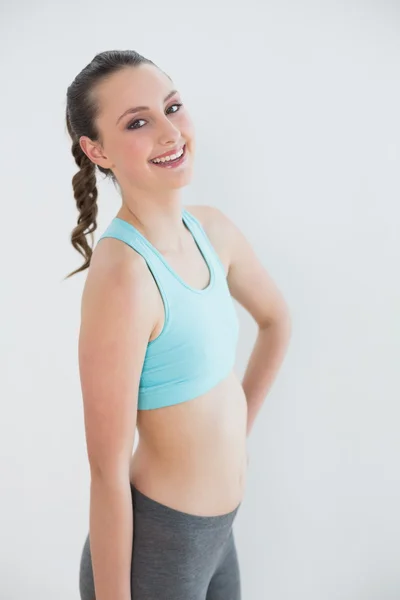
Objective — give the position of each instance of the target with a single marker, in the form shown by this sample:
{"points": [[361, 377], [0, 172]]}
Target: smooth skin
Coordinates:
{"points": [[191, 456]]}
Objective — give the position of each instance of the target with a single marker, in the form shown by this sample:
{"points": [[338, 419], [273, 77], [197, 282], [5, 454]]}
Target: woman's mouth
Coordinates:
{"points": [[171, 162]]}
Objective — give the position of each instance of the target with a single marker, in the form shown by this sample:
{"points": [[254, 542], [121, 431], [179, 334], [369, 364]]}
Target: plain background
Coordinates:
{"points": [[296, 108]]}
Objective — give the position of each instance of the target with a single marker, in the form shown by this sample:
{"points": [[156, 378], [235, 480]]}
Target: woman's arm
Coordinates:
{"points": [[254, 289], [116, 322], [263, 365]]}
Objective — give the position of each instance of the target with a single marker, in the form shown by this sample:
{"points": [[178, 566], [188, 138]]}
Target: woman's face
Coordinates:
{"points": [[132, 139]]}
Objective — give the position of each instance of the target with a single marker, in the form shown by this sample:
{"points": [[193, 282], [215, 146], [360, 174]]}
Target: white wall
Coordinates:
{"points": [[296, 107]]}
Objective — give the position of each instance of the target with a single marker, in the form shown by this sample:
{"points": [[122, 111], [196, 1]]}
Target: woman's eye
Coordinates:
{"points": [[133, 123], [178, 104]]}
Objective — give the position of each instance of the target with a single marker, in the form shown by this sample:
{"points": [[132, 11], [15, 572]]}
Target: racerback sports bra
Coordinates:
{"points": [[196, 348]]}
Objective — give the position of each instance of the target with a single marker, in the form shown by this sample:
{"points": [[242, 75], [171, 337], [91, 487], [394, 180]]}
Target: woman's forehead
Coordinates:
{"points": [[137, 86]]}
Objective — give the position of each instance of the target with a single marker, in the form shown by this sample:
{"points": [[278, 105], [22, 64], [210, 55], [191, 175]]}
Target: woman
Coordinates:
{"points": [[157, 346]]}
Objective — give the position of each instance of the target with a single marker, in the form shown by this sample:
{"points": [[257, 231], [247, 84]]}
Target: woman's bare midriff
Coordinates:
{"points": [[192, 456]]}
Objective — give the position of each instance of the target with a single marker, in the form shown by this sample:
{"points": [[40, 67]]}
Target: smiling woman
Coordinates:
{"points": [[104, 134], [157, 346]]}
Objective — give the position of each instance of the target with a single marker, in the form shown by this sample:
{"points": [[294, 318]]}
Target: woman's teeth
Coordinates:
{"points": [[168, 158]]}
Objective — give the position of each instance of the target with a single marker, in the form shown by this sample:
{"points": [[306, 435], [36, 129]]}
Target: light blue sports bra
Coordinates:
{"points": [[197, 346]]}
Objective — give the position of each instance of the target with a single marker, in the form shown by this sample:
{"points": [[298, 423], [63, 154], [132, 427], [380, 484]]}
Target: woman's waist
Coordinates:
{"points": [[207, 481], [201, 440], [202, 453], [194, 448]]}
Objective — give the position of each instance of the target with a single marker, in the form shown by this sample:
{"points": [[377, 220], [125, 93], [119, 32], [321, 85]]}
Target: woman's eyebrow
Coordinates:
{"points": [[138, 108]]}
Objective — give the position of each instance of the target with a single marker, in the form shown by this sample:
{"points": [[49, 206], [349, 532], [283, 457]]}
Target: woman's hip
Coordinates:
{"points": [[172, 551], [176, 551]]}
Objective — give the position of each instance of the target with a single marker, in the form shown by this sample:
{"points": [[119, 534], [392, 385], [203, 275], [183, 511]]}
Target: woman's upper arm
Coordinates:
{"points": [[116, 323]]}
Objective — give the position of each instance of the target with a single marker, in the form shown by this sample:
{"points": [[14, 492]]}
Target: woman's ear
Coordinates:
{"points": [[94, 152]]}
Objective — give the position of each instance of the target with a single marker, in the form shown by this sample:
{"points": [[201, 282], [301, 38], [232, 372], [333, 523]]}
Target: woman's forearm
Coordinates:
{"points": [[111, 534], [263, 365]]}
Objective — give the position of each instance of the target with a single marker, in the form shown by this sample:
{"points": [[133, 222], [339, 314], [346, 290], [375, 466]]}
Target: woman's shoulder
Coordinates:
{"points": [[114, 259], [115, 271], [217, 226], [213, 220]]}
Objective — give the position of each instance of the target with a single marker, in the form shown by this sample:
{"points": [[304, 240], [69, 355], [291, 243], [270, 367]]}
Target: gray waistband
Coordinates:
{"points": [[143, 503]]}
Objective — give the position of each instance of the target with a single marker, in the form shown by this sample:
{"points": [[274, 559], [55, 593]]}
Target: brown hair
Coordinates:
{"points": [[81, 112]]}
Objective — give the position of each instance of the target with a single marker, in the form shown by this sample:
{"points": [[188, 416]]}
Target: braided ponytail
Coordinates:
{"points": [[85, 192]]}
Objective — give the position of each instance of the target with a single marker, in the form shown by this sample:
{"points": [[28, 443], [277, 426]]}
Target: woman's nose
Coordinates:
{"points": [[169, 133]]}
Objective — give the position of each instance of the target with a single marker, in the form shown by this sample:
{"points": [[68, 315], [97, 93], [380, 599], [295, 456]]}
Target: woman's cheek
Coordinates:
{"points": [[135, 153]]}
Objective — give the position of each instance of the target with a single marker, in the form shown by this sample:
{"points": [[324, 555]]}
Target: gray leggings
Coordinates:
{"points": [[175, 555]]}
